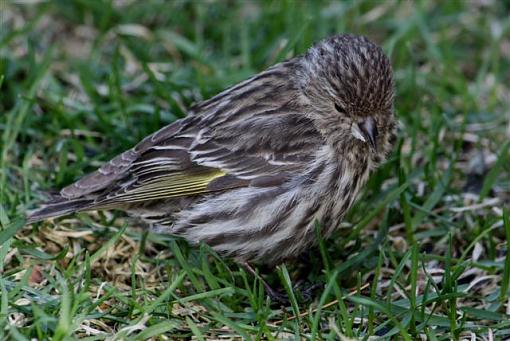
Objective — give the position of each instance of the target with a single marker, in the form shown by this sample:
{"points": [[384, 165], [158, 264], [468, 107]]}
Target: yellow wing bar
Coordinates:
{"points": [[171, 186]]}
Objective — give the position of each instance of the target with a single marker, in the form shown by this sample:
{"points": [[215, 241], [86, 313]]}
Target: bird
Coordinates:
{"points": [[251, 170]]}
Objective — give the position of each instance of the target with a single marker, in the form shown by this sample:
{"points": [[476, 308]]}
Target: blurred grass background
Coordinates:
{"points": [[424, 254]]}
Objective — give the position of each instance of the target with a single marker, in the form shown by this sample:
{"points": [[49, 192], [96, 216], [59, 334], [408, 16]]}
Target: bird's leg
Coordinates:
{"points": [[306, 266], [282, 298]]}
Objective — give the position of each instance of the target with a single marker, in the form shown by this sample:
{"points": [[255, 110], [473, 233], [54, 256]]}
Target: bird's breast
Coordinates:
{"points": [[346, 186]]}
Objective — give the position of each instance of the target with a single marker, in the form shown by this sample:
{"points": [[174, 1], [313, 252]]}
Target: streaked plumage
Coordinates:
{"points": [[251, 169]]}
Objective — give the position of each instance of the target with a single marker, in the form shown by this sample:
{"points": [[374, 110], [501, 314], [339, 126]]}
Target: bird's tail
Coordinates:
{"points": [[58, 208]]}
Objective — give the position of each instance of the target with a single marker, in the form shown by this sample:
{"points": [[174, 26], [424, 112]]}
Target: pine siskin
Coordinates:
{"points": [[250, 170]]}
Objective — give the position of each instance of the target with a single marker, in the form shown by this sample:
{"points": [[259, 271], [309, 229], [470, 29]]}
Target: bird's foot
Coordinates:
{"points": [[306, 292], [276, 295]]}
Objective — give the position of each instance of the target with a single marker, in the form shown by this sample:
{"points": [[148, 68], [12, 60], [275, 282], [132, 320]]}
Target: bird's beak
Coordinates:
{"points": [[366, 131]]}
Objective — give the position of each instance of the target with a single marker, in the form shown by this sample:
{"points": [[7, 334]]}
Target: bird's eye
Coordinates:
{"points": [[340, 108]]}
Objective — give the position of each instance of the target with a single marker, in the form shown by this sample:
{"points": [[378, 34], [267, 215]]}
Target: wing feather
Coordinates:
{"points": [[249, 135], [170, 186]]}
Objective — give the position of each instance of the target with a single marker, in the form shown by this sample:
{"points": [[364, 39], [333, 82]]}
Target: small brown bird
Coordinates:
{"points": [[250, 170]]}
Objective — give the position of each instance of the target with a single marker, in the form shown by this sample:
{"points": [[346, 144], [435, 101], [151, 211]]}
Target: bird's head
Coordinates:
{"points": [[347, 81]]}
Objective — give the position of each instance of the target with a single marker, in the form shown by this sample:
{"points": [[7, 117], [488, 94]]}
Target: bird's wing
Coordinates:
{"points": [[250, 135]]}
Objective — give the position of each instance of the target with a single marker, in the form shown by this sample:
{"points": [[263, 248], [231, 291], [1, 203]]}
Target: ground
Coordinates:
{"points": [[424, 253]]}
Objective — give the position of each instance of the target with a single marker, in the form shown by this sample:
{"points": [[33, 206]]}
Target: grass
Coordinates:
{"points": [[424, 254]]}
